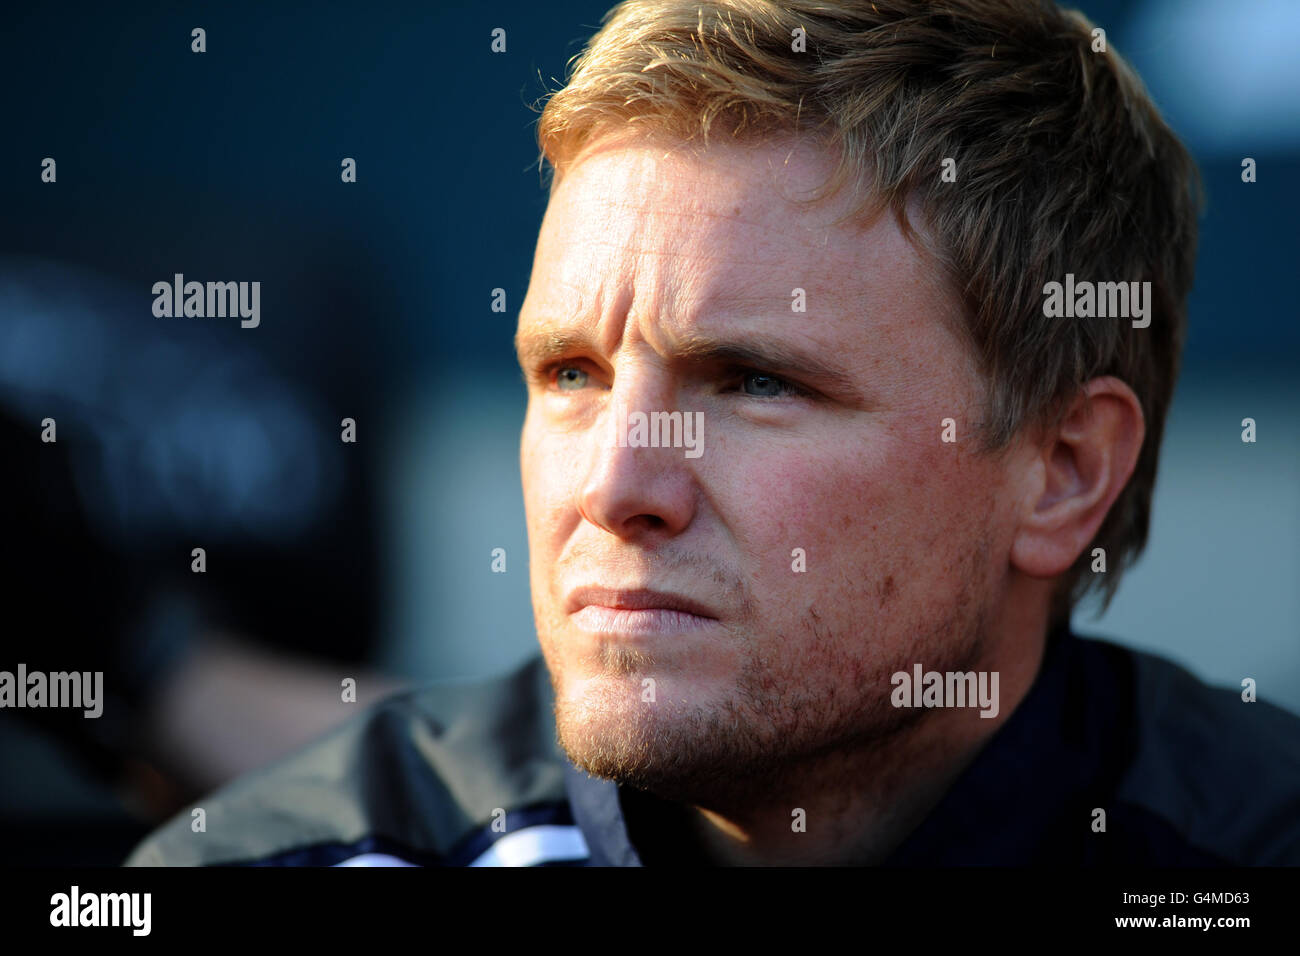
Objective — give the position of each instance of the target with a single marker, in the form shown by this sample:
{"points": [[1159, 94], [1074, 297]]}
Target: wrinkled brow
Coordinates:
{"points": [[755, 350]]}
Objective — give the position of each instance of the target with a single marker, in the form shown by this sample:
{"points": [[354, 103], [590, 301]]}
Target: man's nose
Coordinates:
{"points": [[632, 489]]}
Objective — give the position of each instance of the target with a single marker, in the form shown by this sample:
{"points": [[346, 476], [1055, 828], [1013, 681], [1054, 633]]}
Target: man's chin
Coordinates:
{"points": [[676, 750]]}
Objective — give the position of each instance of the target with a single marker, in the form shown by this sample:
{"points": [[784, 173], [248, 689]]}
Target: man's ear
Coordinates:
{"points": [[1075, 474]]}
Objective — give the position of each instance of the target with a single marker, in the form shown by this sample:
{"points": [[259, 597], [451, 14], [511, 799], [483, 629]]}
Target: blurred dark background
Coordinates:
{"points": [[372, 560]]}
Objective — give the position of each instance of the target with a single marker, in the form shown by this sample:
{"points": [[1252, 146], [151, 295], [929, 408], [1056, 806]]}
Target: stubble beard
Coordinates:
{"points": [[770, 734]]}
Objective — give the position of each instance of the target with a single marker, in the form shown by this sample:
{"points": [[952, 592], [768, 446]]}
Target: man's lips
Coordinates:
{"points": [[637, 599]]}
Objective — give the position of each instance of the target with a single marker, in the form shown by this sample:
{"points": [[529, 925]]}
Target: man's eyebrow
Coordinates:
{"points": [[767, 354], [537, 348], [761, 352]]}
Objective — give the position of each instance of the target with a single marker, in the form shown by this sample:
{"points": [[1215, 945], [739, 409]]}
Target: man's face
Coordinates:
{"points": [[822, 536]]}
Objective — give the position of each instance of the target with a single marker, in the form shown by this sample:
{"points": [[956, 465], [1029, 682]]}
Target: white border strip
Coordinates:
{"points": [[375, 859], [532, 845], [545, 843]]}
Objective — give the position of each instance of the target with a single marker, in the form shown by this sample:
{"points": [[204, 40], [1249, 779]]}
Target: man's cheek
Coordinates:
{"points": [[549, 493], [800, 500]]}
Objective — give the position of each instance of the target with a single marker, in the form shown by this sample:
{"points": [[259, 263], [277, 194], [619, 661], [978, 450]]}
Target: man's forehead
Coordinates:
{"points": [[794, 164], [712, 290], [623, 238], [727, 190], [656, 260]]}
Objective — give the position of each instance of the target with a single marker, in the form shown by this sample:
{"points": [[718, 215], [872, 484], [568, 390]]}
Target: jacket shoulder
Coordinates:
{"points": [[418, 772], [1223, 772]]}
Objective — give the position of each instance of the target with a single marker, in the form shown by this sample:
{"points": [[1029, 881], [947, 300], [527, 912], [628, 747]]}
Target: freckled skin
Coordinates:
{"points": [[786, 702]]}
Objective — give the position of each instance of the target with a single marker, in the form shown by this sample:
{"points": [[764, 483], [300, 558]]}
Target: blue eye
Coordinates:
{"points": [[767, 386], [568, 375]]}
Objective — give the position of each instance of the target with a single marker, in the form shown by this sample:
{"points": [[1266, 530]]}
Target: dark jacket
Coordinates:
{"points": [[470, 774]]}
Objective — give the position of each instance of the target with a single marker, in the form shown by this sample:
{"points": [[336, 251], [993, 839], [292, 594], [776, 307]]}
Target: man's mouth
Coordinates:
{"points": [[599, 610]]}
